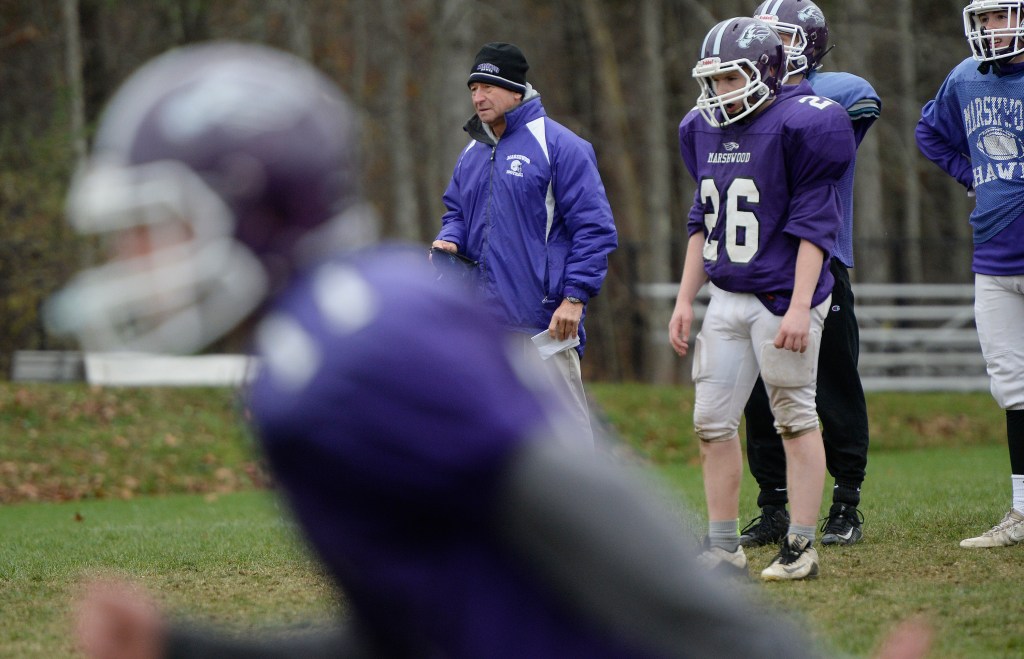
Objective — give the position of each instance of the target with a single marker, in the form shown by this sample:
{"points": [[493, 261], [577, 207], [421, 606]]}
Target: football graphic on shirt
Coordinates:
{"points": [[1000, 144]]}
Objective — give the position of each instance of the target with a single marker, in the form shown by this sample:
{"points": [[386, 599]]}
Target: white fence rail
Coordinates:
{"points": [[913, 337], [133, 369]]}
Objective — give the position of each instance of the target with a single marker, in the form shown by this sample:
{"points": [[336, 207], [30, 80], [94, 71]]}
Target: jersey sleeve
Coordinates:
{"points": [[687, 150], [453, 222], [821, 148], [687, 141], [862, 102], [581, 199], [940, 135]]}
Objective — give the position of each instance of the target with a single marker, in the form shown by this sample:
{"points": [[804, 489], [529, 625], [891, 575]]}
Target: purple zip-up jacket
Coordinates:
{"points": [[532, 209]]}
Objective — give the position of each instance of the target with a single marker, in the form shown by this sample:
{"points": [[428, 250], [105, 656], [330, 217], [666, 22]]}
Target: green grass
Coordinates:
{"points": [[194, 528], [658, 421], [918, 505], [231, 559], [69, 442]]}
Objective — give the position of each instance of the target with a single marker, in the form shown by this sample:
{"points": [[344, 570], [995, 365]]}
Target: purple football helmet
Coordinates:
{"points": [[744, 46], [806, 27], [991, 38], [217, 171]]}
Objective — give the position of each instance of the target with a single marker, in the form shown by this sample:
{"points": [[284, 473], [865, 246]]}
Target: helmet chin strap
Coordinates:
{"points": [[828, 50], [995, 66]]}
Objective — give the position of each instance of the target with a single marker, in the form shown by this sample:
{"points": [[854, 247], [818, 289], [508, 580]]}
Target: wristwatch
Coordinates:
{"points": [[574, 300]]}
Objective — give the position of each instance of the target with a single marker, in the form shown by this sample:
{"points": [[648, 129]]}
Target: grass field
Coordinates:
{"points": [[162, 486]]}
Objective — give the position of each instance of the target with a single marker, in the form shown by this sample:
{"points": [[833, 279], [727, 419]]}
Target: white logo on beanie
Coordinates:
{"points": [[488, 68]]}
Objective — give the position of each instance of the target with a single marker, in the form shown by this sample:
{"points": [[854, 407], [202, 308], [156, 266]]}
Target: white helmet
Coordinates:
{"points": [[982, 40]]}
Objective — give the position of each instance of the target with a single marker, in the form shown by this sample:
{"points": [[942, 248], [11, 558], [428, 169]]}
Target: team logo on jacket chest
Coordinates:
{"points": [[516, 162]]}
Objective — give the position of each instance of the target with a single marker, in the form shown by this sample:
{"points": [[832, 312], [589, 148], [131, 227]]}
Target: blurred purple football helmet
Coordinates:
{"points": [[805, 24], [982, 37], [746, 46], [217, 171]]}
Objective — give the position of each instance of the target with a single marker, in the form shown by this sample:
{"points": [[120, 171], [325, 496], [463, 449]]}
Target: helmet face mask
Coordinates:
{"points": [[218, 172], [714, 107], [993, 29], [805, 25], [794, 43], [743, 47], [175, 277]]}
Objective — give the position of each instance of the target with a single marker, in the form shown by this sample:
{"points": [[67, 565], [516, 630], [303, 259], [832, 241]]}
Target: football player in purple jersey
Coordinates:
{"points": [[427, 466], [767, 160], [974, 130], [840, 398]]}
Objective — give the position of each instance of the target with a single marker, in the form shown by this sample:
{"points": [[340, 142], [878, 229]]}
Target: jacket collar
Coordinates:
{"points": [[525, 112]]}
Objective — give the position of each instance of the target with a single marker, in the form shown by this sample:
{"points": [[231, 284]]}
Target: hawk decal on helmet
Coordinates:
{"points": [[758, 33], [742, 46], [812, 15], [804, 24]]}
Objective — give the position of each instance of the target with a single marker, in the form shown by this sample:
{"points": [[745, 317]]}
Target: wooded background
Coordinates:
{"points": [[616, 72]]}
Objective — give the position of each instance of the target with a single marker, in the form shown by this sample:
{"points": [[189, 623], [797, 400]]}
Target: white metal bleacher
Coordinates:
{"points": [[913, 337]]}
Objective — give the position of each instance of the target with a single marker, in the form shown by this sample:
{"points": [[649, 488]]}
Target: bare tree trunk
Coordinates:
{"points": [[193, 20], [959, 208], [360, 52], [453, 35], [76, 87], [615, 139], [910, 109], [658, 364], [300, 39], [702, 15], [405, 209], [869, 209], [614, 127]]}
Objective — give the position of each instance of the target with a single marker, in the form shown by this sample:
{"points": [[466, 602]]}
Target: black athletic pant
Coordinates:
{"points": [[841, 407]]}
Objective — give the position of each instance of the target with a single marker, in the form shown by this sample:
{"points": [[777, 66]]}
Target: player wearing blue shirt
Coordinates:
{"points": [[974, 130], [767, 161], [840, 396]]}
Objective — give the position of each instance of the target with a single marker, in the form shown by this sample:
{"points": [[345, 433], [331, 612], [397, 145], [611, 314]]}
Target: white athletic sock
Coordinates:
{"points": [[1018, 492], [724, 534], [806, 531]]}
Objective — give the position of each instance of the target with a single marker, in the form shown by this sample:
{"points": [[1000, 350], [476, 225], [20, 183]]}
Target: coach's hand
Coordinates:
{"points": [[565, 322], [446, 245]]}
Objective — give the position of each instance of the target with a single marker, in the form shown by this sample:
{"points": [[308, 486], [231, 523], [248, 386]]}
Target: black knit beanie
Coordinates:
{"points": [[501, 65]]}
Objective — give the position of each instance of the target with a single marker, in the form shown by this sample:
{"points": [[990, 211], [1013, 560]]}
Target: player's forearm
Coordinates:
{"points": [[694, 274], [937, 147], [809, 260], [608, 550], [192, 642]]}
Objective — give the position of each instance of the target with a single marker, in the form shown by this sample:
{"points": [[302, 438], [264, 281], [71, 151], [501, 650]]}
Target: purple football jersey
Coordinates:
{"points": [[763, 186], [388, 410]]}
